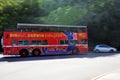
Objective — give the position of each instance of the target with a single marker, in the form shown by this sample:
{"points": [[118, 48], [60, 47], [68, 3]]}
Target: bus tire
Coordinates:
{"points": [[75, 51], [36, 52], [23, 52]]}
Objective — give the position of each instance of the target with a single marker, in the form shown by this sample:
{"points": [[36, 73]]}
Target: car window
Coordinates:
{"points": [[104, 46]]}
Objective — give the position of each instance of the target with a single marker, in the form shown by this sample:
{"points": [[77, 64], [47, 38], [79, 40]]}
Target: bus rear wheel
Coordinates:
{"points": [[36, 52], [24, 53], [75, 51]]}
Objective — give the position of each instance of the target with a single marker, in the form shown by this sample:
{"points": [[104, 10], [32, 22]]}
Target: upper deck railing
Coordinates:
{"points": [[20, 25], [47, 28]]}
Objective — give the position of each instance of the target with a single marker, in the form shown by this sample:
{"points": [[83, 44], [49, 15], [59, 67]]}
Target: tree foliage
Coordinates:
{"points": [[66, 15], [103, 21], [25, 11]]}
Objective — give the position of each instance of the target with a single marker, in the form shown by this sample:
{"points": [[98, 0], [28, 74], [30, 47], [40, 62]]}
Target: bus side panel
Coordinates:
{"points": [[83, 49]]}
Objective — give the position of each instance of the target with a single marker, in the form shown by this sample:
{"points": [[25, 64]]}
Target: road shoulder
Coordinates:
{"points": [[114, 75]]}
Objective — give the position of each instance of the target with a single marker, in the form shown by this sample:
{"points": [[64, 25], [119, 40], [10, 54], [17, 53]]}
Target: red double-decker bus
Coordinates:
{"points": [[41, 39]]}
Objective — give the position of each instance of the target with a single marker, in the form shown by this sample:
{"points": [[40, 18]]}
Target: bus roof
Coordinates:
{"points": [[23, 25]]}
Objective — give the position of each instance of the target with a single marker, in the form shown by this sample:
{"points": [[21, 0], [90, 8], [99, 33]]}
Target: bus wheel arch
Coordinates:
{"points": [[23, 52], [75, 51], [36, 52]]}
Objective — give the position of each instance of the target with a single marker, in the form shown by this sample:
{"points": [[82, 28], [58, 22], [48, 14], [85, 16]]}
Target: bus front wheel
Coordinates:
{"points": [[36, 52], [75, 51], [24, 53]]}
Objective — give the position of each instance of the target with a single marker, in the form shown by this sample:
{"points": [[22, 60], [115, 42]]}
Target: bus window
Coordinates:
{"points": [[34, 42], [66, 41], [13, 42], [84, 41], [20, 43], [45, 29], [44, 42], [72, 42], [76, 41], [38, 42], [26, 42], [73, 29], [63, 42], [54, 29], [82, 30]]}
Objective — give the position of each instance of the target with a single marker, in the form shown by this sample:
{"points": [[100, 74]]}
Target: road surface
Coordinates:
{"points": [[64, 67]]}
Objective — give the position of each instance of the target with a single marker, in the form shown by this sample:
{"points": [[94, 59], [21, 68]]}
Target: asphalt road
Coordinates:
{"points": [[63, 67]]}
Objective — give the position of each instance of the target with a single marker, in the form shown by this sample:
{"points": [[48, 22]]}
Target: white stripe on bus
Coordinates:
{"points": [[41, 45]]}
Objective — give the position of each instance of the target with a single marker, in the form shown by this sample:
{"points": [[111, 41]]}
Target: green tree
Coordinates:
{"points": [[3, 16], [67, 15], [103, 21], [25, 11], [50, 5]]}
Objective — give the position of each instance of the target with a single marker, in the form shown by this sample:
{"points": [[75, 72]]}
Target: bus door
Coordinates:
{"points": [[71, 42]]}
